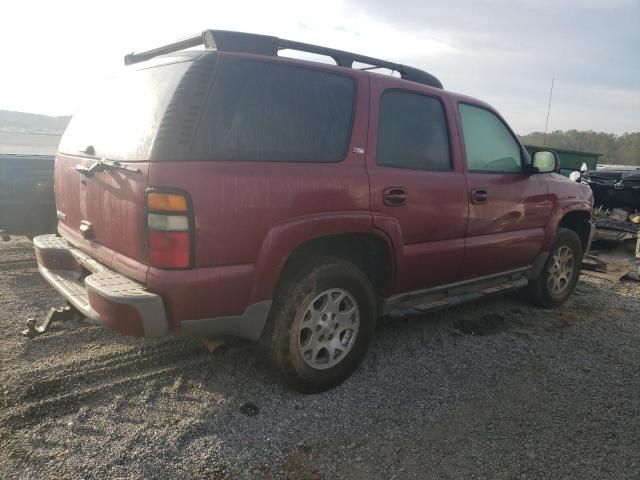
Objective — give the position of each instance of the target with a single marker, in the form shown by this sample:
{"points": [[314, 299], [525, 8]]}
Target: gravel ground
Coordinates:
{"points": [[492, 389]]}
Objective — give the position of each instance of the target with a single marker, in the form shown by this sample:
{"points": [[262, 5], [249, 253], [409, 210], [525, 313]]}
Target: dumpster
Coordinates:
{"points": [[570, 160]]}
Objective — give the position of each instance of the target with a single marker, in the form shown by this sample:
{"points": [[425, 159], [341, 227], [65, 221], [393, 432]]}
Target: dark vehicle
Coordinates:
{"points": [[615, 186], [231, 191], [27, 204]]}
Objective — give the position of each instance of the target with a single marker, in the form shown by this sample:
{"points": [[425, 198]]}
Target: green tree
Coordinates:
{"points": [[615, 149]]}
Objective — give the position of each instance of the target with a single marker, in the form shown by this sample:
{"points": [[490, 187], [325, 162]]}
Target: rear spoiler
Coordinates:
{"points": [[228, 41]]}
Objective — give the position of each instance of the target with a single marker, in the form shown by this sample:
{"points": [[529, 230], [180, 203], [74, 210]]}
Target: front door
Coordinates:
{"points": [[508, 210], [418, 188]]}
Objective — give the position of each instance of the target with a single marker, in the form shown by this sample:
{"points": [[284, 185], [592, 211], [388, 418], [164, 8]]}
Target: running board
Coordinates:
{"points": [[455, 293]]}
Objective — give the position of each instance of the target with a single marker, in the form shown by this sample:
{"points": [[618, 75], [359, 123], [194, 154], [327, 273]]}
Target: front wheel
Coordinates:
{"points": [[322, 322], [560, 273]]}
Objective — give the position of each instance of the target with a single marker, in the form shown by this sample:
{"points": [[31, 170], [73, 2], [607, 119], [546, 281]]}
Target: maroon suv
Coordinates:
{"points": [[232, 191]]}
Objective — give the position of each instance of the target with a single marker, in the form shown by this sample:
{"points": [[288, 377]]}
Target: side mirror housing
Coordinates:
{"points": [[546, 161]]}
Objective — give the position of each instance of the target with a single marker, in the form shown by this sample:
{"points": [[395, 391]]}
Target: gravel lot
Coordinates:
{"points": [[492, 389]]}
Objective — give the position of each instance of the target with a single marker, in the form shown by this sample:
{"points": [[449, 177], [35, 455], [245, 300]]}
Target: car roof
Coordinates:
{"points": [[394, 82]]}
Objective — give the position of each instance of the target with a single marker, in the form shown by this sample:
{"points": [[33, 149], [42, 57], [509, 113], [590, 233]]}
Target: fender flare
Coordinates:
{"points": [[561, 210], [284, 238]]}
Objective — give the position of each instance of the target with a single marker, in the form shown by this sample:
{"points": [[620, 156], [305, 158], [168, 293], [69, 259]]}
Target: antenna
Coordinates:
{"points": [[544, 141]]}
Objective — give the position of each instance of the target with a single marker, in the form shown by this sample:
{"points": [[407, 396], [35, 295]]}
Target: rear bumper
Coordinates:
{"points": [[127, 306], [98, 292]]}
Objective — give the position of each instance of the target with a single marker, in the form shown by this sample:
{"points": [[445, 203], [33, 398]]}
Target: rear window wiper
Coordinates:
{"points": [[102, 165]]}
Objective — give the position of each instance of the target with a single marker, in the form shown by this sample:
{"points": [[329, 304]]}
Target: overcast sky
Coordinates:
{"points": [[502, 51]]}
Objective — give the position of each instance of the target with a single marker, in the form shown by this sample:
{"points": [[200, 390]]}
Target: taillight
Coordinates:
{"points": [[169, 230]]}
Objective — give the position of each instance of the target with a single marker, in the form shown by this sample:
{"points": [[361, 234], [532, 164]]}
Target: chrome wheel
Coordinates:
{"points": [[561, 270], [328, 328]]}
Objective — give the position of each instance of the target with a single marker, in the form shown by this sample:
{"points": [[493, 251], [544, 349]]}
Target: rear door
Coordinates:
{"points": [[508, 210], [417, 187], [102, 212]]}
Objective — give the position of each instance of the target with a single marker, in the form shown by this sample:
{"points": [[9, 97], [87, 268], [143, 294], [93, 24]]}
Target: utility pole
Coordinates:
{"points": [[546, 125]]}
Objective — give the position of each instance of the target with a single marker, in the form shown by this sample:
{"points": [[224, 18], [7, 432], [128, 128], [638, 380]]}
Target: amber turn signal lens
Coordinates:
{"points": [[166, 202]]}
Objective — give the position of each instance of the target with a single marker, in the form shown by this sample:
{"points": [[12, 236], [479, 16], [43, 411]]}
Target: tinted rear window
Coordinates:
{"points": [[261, 111], [121, 118], [412, 132]]}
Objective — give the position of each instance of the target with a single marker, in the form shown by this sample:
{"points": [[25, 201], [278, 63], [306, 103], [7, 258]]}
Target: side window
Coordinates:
{"points": [[489, 144], [412, 132], [268, 112]]}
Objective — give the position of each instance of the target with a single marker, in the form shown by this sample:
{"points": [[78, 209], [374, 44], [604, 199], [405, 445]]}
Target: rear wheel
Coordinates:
{"points": [[560, 273], [322, 322]]}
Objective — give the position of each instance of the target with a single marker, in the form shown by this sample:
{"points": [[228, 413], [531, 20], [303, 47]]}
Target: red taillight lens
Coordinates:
{"points": [[169, 230], [169, 249]]}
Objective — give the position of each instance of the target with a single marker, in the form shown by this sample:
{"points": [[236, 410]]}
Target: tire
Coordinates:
{"points": [[553, 285], [314, 296]]}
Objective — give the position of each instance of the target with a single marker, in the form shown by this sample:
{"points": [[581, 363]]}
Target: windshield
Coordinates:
{"points": [[121, 118]]}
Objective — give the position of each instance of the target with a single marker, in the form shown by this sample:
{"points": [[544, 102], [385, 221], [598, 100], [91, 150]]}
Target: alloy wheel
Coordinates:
{"points": [[329, 328], [561, 270]]}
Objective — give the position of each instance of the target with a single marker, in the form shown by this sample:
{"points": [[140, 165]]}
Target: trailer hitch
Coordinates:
{"points": [[59, 314]]}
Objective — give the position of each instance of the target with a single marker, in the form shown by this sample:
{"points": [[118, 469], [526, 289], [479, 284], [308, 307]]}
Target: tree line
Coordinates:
{"points": [[615, 149]]}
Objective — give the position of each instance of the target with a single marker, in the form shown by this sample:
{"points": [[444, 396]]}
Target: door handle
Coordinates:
{"points": [[479, 195], [394, 196]]}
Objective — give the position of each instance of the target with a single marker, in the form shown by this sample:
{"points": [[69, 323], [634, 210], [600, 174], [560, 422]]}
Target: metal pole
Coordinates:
{"points": [[544, 142]]}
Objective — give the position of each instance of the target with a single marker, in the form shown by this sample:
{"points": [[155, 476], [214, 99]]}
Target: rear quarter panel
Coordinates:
{"points": [[249, 218]]}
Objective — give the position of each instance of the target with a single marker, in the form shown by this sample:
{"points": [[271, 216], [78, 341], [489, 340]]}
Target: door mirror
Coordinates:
{"points": [[546, 161]]}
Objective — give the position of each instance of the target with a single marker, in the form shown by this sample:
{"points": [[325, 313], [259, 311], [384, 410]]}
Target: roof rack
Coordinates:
{"points": [[228, 41]]}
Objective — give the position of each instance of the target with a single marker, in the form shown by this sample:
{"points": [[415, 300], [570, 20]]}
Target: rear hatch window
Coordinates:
{"points": [[121, 119]]}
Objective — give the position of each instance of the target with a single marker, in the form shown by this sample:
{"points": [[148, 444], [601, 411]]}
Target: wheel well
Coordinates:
{"points": [[368, 252], [579, 223]]}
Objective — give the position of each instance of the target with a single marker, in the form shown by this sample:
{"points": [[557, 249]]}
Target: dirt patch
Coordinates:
{"points": [[489, 324], [249, 409]]}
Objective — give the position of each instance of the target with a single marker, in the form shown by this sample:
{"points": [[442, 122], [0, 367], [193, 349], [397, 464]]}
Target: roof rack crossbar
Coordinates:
{"points": [[224, 40], [190, 42]]}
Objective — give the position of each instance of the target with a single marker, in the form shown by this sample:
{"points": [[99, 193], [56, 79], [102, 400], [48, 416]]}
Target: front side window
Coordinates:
{"points": [[489, 144], [412, 132], [267, 112]]}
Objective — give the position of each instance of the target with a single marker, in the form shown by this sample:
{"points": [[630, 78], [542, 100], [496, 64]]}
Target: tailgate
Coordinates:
{"points": [[102, 214]]}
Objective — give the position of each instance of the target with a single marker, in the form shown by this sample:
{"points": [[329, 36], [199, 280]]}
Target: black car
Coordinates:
{"points": [[27, 205], [615, 186]]}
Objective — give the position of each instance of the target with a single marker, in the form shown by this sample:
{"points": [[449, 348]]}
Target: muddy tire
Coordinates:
{"points": [[560, 273], [321, 323]]}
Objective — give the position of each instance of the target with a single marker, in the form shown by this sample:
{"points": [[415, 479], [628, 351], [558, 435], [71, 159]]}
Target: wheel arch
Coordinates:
{"points": [[580, 222], [576, 217], [348, 236]]}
